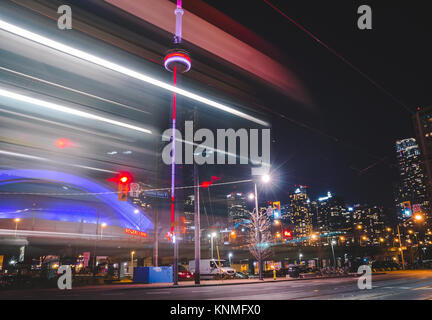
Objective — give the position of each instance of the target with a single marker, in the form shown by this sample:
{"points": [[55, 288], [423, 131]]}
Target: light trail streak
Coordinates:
{"points": [[123, 70]]}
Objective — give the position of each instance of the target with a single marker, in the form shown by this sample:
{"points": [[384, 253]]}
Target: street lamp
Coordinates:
{"points": [[103, 225], [211, 236], [17, 220], [418, 218], [265, 179], [251, 196], [333, 242], [132, 264]]}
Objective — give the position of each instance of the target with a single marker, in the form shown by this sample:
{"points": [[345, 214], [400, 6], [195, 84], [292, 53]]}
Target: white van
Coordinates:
{"points": [[209, 268]]}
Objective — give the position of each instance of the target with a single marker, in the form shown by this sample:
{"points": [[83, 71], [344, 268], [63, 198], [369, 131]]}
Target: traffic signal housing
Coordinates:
{"points": [[276, 210], [123, 180]]}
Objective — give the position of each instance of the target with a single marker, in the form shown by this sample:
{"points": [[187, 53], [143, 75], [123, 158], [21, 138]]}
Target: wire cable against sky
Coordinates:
{"points": [[352, 66]]}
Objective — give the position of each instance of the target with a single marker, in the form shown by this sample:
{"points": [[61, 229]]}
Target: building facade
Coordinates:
{"points": [[411, 194]]}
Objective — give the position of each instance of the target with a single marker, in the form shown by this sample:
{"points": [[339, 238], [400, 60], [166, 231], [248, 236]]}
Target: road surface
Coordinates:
{"points": [[393, 285]]}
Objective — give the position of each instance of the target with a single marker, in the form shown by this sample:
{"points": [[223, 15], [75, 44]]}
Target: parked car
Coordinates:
{"points": [[294, 271], [184, 274]]}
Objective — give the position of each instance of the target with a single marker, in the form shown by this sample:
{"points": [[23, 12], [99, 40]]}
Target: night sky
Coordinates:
{"points": [[358, 123]]}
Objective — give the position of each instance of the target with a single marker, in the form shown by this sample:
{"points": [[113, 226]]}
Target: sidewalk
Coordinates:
{"points": [[209, 283]]}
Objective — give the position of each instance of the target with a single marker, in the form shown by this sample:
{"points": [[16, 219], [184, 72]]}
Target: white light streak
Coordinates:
{"points": [[75, 112], [123, 70]]}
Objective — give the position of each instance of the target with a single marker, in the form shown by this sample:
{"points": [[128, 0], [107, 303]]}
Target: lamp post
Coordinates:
{"points": [[333, 242], [265, 179], [17, 220], [103, 226], [132, 264], [211, 236], [417, 218]]}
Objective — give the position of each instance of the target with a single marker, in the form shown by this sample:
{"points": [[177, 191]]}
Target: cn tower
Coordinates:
{"points": [[177, 60]]}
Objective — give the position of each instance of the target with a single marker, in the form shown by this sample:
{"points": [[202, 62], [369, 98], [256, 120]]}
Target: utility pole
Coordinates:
{"points": [[156, 214], [197, 221]]}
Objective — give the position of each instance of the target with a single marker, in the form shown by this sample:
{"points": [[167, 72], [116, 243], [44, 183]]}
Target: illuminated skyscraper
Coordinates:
{"points": [[237, 211], [332, 214], [423, 130], [411, 196], [300, 213]]}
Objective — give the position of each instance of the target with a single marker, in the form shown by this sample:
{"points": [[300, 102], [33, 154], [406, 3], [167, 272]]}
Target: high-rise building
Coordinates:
{"points": [[371, 220], [423, 130], [237, 210], [300, 213], [411, 194], [332, 214]]}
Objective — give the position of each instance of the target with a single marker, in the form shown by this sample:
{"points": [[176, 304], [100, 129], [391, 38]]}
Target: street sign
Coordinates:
{"points": [[156, 194], [134, 190]]}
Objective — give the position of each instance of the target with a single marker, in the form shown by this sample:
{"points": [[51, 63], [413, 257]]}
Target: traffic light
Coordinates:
{"points": [[287, 234], [123, 180], [407, 211], [276, 210]]}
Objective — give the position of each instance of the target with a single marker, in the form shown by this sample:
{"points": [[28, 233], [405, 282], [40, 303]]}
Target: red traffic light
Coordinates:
{"points": [[122, 178]]}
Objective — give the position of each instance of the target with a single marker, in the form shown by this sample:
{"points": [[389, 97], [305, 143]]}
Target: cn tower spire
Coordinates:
{"points": [[179, 17]]}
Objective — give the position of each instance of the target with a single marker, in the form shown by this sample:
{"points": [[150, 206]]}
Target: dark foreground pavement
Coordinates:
{"points": [[407, 285]]}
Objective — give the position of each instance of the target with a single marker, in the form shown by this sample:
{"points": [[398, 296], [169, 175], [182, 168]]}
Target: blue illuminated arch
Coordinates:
{"points": [[124, 209]]}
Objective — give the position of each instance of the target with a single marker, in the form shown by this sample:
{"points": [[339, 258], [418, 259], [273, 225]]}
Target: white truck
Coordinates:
{"points": [[209, 268]]}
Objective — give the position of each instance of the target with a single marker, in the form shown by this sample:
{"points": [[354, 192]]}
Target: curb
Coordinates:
{"points": [[233, 284]]}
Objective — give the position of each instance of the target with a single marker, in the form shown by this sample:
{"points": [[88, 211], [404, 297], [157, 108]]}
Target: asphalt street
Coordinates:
{"points": [[410, 285]]}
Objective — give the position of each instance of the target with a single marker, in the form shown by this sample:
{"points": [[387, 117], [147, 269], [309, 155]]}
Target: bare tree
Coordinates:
{"points": [[260, 236]]}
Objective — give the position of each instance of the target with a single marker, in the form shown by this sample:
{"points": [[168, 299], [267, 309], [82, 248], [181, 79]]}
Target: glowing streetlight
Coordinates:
{"points": [[265, 178], [418, 217], [251, 196], [103, 226], [212, 236], [17, 220]]}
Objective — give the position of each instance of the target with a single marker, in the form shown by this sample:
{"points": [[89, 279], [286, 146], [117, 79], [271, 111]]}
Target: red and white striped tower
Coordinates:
{"points": [[177, 61]]}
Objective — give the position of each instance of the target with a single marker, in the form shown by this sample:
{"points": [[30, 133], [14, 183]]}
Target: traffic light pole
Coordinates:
{"points": [[197, 220], [400, 247]]}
